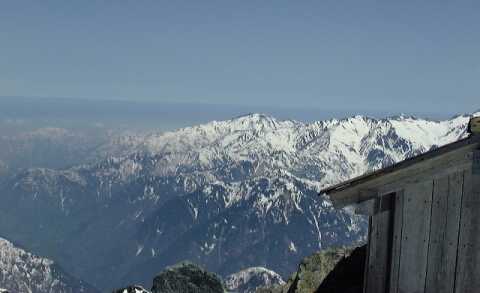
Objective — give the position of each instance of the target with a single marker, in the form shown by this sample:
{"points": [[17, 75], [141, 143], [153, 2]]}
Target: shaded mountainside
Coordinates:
{"points": [[228, 195], [21, 271]]}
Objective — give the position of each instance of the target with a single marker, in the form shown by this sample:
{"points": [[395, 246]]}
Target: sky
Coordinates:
{"points": [[404, 56]]}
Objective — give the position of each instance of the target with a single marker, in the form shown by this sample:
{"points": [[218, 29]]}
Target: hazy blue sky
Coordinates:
{"points": [[376, 55]]}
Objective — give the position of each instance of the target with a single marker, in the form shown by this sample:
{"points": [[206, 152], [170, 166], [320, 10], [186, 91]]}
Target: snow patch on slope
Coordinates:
{"points": [[251, 279]]}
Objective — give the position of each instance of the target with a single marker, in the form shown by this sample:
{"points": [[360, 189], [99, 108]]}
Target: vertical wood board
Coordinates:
{"points": [[468, 259], [444, 227], [415, 237], [380, 246], [455, 198], [397, 241], [367, 259]]}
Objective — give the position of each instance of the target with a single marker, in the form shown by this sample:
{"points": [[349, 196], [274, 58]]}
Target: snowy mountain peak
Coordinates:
{"points": [[241, 193], [251, 279]]}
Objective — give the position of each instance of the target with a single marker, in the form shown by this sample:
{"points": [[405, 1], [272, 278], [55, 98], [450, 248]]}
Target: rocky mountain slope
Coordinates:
{"points": [[184, 277], [21, 271], [228, 195], [311, 272]]}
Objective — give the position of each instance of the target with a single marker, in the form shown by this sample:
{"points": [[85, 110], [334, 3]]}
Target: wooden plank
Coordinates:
{"points": [[415, 237], [468, 259], [372, 256], [437, 174], [367, 259], [455, 194], [383, 250], [380, 247], [476, 163], [397, 241], [435, 270], [352, 196]]}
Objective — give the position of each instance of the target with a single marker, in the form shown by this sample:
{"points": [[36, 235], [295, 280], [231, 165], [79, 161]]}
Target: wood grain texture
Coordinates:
{"points": [[444, 228], [415, 237], [468, 259], [380, 247]]}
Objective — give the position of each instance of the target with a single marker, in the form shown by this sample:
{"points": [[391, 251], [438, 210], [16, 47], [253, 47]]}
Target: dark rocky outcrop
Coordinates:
{"points": [[311, 272], [347, 276], [187, 278], [313, 269], [184, 277]]}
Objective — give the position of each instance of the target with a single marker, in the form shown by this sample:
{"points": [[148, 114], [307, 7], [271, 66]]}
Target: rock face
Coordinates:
{"points": [[21, 271], [313, 269], [251, 279], [311, 272], [347, 276], [227, 194], [187, 278]]}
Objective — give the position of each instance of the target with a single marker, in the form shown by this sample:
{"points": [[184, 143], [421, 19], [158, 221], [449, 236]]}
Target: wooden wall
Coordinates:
{"points": [[428, 240]]}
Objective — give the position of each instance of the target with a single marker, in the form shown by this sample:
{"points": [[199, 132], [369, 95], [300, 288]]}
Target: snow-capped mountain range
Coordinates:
{"points": [[21, 271], [227, 194]]}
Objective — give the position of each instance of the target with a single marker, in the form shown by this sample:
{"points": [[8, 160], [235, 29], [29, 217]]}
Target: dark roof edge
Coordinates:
{"points": [[403, 164]]}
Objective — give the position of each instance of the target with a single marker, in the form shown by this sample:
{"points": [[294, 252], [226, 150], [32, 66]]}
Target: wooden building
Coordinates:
{"points": [[424, 228]]}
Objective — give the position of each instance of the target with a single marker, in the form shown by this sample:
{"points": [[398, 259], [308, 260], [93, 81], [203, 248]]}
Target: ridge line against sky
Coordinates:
{"points": [[403, 55], [134, 109]]}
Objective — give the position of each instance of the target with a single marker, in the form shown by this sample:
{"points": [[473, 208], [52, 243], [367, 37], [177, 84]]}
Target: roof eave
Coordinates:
{"points": [[355, 190]]}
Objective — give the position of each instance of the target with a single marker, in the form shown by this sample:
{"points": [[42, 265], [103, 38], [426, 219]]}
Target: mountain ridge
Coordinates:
{"points": [[22, 271], [226, 194]]}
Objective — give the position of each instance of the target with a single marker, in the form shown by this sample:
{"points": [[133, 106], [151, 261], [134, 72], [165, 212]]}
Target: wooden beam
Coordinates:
{"points": [[467, 142], [455, 161]]}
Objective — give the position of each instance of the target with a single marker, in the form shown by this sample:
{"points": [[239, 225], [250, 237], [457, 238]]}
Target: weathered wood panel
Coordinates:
{"points": [[379, 246], [397, 242], [468, 261], [445, 220], [455, 197], [371, 256], [415, 237], [367, 260]]}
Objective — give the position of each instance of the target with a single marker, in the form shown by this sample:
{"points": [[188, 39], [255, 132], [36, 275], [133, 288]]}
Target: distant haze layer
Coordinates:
{"points": [[23, 112]]}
